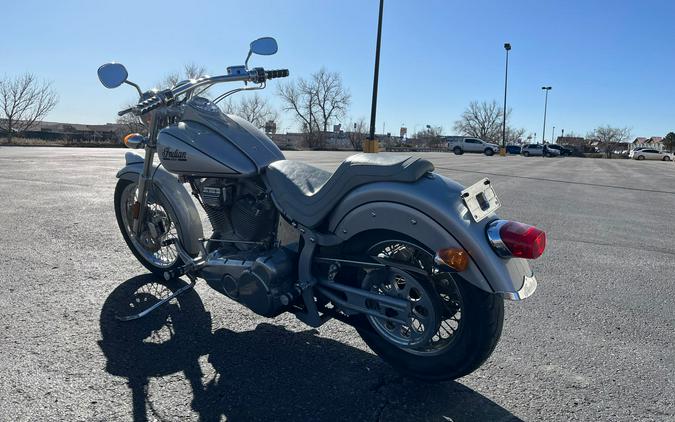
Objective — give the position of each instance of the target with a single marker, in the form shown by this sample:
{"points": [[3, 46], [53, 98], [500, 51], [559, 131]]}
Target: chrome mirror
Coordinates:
{"points": [[112, 75], [265, 46]]}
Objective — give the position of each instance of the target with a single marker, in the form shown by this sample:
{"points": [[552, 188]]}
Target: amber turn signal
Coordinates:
{"points": [[455, 258], [134, 140]]}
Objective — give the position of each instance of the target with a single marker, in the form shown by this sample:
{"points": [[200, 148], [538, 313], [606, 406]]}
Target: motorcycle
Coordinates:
{"points": [[417, 263]]}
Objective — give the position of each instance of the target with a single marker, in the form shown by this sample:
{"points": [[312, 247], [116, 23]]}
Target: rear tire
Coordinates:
{"points": [[457, 151], [471, 341], [482, 319], [526, 154], [666, 158]]}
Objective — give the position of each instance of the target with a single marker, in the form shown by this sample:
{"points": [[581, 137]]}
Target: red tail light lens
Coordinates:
{"points": [[513, 239], [522, 240]]}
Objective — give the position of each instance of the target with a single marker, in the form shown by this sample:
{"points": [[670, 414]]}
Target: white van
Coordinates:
{"points": [[460, 145]]}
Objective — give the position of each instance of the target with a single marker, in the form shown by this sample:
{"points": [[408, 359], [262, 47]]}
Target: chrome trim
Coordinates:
{"points": [[528, 288], [495, 238]]}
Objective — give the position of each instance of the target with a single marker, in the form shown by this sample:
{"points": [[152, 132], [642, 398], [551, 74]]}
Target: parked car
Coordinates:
{"points": [[633, 151], [513, 149], [460, 145], [539, 150], [652, 154], [563, 152]]}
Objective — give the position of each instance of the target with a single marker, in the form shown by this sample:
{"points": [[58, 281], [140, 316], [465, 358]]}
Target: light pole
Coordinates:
{"points": [[543, 134], [371, 145], [553, 135], [502, 151]]}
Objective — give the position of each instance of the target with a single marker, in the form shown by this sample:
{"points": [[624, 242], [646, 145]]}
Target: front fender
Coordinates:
{"points": [[432, 211], [189, 223]]}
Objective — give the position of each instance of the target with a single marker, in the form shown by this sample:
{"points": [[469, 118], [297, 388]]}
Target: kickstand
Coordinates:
{"points": [[183, 289]]}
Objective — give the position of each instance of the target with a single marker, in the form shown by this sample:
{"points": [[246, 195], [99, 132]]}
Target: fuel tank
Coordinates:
{"points": [[208, 143]]}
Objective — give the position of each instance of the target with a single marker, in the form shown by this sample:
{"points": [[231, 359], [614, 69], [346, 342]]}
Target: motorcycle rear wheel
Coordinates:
{"points": [[158, 253], [466, 344]]}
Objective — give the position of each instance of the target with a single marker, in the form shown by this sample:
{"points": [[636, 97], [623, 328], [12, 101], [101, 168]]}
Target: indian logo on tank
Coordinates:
{"points": [[174, 155]]}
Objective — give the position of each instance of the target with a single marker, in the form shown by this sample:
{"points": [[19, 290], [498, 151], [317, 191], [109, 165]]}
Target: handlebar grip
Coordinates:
{"points": [[150, 107], [125, 111], [279, 73]]}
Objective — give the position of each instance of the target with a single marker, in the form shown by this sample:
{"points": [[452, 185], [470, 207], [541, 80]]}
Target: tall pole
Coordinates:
{"points": [[553, 135], [507, 47], [543, 134], [373, 110]]}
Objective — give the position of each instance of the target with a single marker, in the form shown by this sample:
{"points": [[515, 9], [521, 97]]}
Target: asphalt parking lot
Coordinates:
{"points": [[595, 342]]}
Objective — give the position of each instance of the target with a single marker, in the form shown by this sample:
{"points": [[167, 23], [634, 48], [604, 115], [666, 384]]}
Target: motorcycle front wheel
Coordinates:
{"points": [[156, 246], [466, 330]]}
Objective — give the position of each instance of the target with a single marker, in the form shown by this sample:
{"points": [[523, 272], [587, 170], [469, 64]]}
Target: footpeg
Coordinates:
{"points": [[185, 269]]}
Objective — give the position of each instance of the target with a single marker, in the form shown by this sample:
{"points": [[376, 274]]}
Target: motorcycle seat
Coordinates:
{"points": [[306, 194]]}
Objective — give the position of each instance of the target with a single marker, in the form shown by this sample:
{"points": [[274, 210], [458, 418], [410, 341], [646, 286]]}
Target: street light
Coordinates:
{"points": [[507, 47], [553, 135], [543, 134]]}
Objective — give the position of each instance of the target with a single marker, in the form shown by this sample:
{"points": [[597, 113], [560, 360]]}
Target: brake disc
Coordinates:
{"points": [[424, 318]]}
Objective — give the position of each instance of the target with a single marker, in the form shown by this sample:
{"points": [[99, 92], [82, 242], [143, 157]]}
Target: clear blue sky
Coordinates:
{"points": [[609, 62]]}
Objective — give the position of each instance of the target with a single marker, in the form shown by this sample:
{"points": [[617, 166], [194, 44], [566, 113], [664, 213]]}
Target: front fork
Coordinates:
{"points": [[144, 182]]}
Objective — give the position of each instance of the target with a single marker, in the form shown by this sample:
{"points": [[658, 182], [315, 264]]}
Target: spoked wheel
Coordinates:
{"points": [[156, 246], [416, 328], [452, 328]]}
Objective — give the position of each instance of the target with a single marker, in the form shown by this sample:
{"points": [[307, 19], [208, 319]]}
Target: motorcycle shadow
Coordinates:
{"points": [[268, 373]]}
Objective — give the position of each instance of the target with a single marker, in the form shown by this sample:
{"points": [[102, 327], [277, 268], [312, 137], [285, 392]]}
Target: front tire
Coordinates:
{"points": [[526, 154], [666, 158], [457, 151], [489, 152], [157, 255], [640, 157]]}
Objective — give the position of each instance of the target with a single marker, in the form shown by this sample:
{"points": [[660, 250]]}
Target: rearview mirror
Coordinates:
{"points": [[112, 75], [265, 46]]}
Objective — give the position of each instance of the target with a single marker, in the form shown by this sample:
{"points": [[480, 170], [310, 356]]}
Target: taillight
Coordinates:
{"points": [[513, 239]]}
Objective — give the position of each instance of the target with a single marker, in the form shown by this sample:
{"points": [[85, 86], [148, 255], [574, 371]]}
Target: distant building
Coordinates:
{"points": [[655, 142], [109, 132], [575, 141]]}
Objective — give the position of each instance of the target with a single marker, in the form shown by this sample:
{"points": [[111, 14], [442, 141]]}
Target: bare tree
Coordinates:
{"points": [[130, 123], [430, 136], [610, 137], [357, 133], [481, 120], [24, 101], [317, 103], [257, 110], [190, 71], [513, 135]]}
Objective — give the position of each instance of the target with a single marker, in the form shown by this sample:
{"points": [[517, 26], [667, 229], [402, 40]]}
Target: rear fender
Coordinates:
{"points": [[432, 211], [189, 223]]}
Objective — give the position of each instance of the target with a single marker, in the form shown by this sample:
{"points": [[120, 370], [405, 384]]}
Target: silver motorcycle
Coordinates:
{"points": [[417, 263]]}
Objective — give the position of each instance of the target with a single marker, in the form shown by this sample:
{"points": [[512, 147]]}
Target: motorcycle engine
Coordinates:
{"points": [[261, 281], [238, 210]]}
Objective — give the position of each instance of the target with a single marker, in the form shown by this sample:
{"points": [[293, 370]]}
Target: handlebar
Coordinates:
{"points": [[279, 73], [166, 97]]}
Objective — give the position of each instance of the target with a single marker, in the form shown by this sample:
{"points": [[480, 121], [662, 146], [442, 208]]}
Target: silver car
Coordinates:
{"points": [[539, 150], [651, 154]]}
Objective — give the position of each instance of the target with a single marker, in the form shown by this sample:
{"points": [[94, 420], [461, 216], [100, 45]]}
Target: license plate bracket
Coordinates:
{"points": [[481, 199]]}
